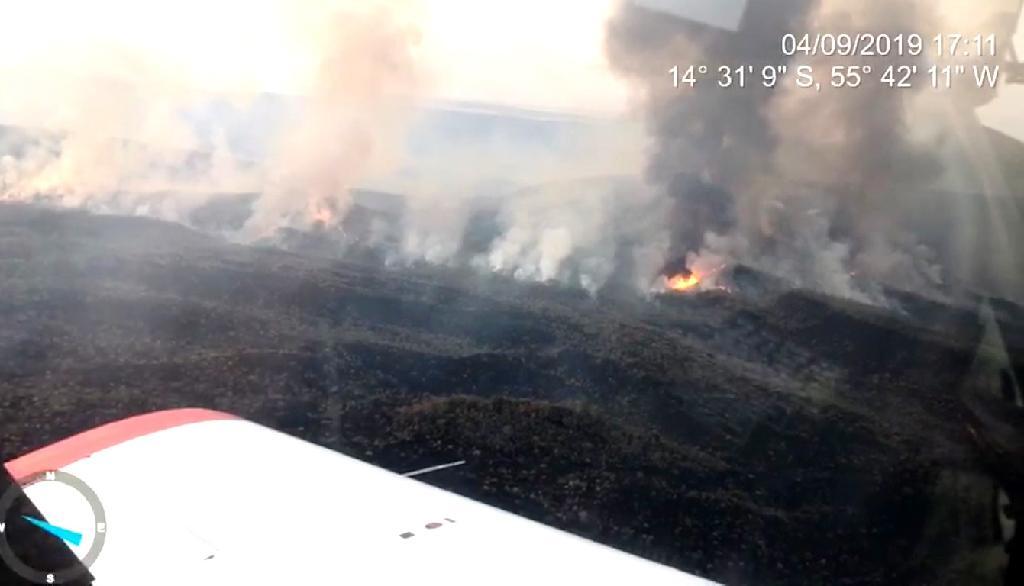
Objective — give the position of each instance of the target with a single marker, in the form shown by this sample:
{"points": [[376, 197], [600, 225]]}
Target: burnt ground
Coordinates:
{"points": [[762, 436]]}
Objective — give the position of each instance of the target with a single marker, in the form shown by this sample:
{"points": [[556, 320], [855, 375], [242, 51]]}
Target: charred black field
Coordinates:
{"points": [[757, 436]]}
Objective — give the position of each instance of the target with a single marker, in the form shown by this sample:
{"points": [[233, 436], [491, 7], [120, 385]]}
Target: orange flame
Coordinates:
{"points": [[682, 282], [320, 213]]}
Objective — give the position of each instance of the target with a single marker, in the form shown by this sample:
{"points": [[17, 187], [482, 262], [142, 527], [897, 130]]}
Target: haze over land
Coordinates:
{"points": [[824, 190], [764, 336]]}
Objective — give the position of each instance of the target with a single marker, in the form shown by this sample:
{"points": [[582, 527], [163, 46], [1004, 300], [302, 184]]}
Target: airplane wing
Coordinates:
{"points": [[192, 496]]}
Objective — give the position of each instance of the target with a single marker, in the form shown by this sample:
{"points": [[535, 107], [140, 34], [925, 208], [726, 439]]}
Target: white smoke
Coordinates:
{"points": [[109, 131], [118, 135], [815, 187]]}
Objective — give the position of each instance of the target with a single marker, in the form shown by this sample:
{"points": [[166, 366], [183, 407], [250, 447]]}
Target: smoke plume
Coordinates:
{"points": [[109, 130], [837, 189], [122, 132], [361, 94]]}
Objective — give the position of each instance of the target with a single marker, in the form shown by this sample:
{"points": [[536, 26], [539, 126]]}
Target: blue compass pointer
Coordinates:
{"points": [[72, 537]]}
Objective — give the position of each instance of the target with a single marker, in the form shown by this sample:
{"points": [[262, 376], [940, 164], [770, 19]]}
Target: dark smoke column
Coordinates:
{"points": [[706, 140], [833, 190]]}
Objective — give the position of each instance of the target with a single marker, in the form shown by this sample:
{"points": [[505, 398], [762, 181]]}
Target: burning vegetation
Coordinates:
{"points": [[684, 281], [744, 422], [681, 277], [678, 277]]}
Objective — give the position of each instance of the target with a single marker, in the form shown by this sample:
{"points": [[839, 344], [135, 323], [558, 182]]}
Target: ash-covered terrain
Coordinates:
{"points": [[754, 436]]}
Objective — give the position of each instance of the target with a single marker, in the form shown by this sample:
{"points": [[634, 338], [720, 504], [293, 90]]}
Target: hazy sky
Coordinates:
{"points": [[544, 54], [536, 53]]}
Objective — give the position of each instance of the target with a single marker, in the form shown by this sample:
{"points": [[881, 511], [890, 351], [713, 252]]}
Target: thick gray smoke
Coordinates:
{"points": [[838, 189]]}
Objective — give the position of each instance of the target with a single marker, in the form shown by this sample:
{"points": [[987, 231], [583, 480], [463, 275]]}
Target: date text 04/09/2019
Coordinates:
{"points": [[942, 45]]}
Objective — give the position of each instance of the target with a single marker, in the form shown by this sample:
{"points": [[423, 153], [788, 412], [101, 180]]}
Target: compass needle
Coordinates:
{"points": [[72, 537], [63, 497]]}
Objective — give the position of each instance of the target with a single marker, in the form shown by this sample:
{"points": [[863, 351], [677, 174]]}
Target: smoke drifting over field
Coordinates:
{"points": [[116, 134], [128, 134], [822, 188], [838, 190]]}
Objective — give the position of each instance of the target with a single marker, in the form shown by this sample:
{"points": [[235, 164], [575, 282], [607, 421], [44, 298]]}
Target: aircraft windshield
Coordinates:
{"points": [[737, 287]]}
